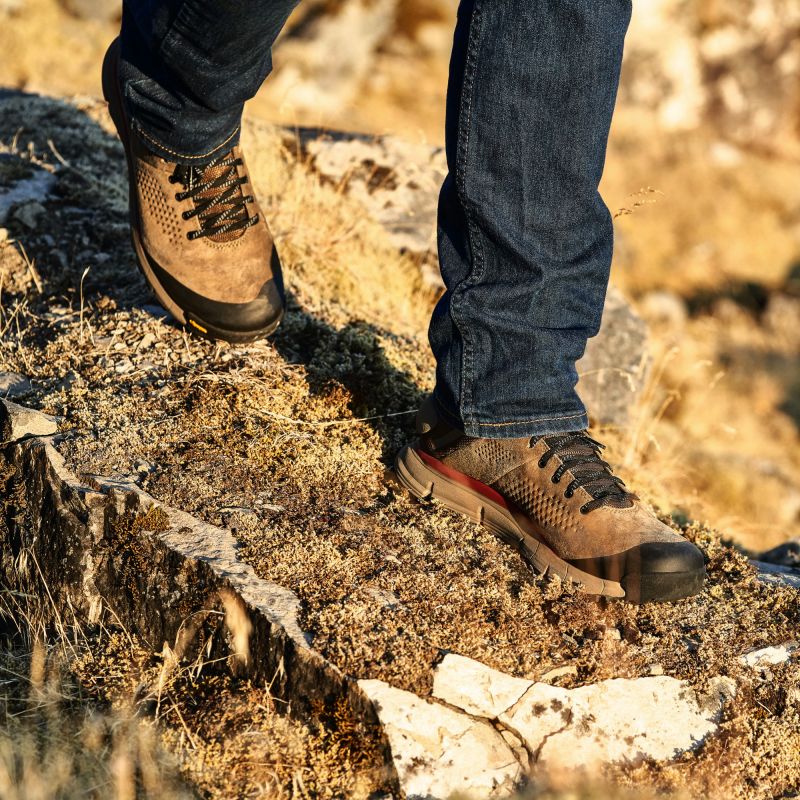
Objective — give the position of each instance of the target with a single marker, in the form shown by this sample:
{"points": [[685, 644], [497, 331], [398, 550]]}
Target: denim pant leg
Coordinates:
{"points": [[525, 240], [188, 66]]}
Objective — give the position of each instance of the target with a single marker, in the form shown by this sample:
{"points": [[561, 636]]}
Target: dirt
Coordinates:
{"points": [[289, 443]]}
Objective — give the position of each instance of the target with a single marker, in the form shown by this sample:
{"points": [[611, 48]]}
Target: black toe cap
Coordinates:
{"points": [[220, 318], [649, 558], [659, 557]]}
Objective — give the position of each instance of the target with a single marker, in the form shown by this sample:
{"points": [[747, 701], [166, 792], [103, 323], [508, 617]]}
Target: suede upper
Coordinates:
{"points": [[511, 467], [234, 271]]}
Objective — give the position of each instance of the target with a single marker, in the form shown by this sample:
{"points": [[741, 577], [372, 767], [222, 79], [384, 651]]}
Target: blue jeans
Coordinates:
{"points": [[525, 240]]}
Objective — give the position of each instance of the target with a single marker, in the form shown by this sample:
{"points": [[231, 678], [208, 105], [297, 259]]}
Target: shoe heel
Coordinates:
{"points": [[111, 89]]}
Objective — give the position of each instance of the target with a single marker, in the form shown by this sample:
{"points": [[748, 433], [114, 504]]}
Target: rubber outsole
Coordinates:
{"points": [[426, 483], [200, 327]]}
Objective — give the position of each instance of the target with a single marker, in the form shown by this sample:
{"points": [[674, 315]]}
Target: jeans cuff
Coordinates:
{"points": [[543, 425], [175, 156]]}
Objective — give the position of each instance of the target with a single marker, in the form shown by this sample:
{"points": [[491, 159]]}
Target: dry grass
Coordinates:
{"points": [[58, 739], [288, 443], [91, 712]]}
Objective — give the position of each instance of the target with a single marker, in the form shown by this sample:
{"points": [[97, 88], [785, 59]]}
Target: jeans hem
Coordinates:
{"points": [[167, 153], [538, 426], [543, 425]]}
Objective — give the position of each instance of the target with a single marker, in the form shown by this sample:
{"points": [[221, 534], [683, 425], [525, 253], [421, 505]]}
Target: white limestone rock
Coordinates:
{"points": [[478, 689], [614, 721], [623, 720], [438, 751]]}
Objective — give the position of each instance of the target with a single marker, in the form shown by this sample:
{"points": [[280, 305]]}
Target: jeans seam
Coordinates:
{"points": [[166, 149], [452, 418], [462, 159], [529, 421]]}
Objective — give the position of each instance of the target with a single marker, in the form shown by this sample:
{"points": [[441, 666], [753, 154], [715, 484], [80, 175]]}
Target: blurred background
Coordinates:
{"points": [[703, 176]]}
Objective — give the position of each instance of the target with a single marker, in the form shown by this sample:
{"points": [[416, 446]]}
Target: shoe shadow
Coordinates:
{"points": [[353, 358], [64, 199]]}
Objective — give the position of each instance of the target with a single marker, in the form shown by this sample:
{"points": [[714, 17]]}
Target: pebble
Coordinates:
{"points": [[29, 214], [146, 341]]}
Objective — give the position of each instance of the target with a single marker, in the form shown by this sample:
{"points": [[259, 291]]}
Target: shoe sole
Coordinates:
{"points": [[203, 328], [426, 483]]}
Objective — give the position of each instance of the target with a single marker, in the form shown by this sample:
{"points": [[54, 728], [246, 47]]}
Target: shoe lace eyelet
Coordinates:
{"points": [[542, 463], [554, 479], [186, 215], [569, 493]]}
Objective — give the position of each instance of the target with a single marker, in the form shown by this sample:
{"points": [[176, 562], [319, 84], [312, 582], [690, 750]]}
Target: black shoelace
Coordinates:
{"points": [[580, 454], [219, 202]]}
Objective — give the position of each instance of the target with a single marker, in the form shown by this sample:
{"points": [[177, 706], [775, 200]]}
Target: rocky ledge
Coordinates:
{"points": [[101, 548]]}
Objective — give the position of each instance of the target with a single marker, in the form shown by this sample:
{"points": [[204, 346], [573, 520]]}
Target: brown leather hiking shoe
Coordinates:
{"points": [[557, 501], [200, 237]]}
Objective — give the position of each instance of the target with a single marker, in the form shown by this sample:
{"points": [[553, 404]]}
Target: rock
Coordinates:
{"points": [[29, 214], [101, 543], [12, 384], [154, 311], [776, 574], [733, 69], [396, 181], [777, 654], [614, 721], [21, 184], [439, 752], [781, 316], [476, 688], [328, 54], [613, 371], [664, 308], [17, 422], [785, 555]]}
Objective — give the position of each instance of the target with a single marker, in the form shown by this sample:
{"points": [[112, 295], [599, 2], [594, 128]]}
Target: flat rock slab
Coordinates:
{"points": [[613, 721], [18, 422], [439, 752]]}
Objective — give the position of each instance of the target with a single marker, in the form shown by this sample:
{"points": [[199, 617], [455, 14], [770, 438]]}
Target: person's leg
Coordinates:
{"points": [[188, 66], [525, 248], [525, 240], [176, 81]]}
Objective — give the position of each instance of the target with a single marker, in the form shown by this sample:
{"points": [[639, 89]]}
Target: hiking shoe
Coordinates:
{"points": [[200, 237], [558, 502]]}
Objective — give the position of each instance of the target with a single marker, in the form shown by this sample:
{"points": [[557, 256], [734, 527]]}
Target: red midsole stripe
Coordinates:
{"points": [[464, 480]]}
